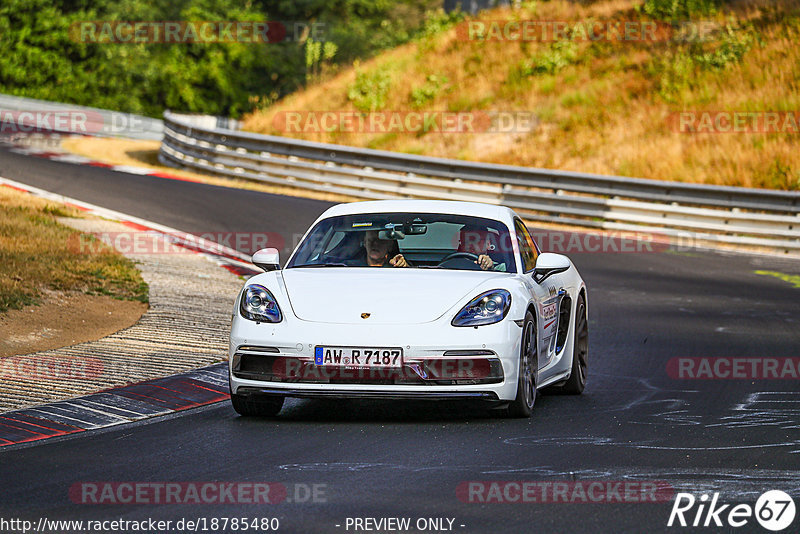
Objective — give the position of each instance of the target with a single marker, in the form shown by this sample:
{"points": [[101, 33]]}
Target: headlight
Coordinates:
{"points": [[486, 308], [258, 304]]}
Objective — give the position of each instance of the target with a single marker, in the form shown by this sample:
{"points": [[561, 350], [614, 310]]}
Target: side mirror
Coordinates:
{"points": [[267, 259], [548, 264]]}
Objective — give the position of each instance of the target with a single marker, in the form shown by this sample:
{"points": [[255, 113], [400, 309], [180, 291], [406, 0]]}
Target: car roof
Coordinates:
{"points": [[452, 207]]}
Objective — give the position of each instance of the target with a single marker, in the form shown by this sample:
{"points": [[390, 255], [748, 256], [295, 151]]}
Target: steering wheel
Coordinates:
{"points": [[454, 255], [461, 260]]}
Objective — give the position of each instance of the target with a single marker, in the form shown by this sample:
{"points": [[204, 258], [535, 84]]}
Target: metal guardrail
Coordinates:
{"points": [[702, 213], [81, 120]]}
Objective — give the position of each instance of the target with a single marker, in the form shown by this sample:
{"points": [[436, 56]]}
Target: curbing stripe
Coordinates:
{"points": [[133, 402], [66, 157]]}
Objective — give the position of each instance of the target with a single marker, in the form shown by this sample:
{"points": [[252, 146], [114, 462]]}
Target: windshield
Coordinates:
{"points": [[408, 240]]}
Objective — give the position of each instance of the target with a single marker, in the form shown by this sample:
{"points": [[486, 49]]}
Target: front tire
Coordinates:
{"points": [[527, 373], [257, 405]]}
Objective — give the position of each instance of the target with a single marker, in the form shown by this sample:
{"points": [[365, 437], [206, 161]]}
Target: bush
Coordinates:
{"points": [[678, 9], [558, 56], [677, 70], [421, 96], [369, 91]]}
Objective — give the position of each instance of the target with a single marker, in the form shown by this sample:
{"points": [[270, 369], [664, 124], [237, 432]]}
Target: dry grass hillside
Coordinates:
{"points": [[603, 106]]}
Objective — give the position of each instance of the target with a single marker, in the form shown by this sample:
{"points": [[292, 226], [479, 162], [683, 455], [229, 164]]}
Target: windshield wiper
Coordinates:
{"points": [[321, 265]]}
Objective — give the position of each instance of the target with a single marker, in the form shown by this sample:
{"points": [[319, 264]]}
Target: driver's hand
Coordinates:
{"points": [[398, 261], [485, 262]]}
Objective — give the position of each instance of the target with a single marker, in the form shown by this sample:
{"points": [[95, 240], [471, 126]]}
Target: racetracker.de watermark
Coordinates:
{"points": [[564, 242], [256, 523], [590, 30], [148, 242], [200, 31], [351, 368], [410, 122], [45, 367], [734, 122], [79, 122], [572, 492], [166, 493], [733, 368]]}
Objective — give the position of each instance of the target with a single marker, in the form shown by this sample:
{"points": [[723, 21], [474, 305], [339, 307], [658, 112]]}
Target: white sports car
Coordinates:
{"points": [[410, 299]]}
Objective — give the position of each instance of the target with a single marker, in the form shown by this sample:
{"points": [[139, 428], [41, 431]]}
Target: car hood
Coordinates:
{"points": [[389, 296]]}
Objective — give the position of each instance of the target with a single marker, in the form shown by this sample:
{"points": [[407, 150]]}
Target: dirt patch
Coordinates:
{"points": [[65, 318]]}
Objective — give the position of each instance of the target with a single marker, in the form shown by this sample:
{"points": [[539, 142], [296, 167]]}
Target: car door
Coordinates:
{"points": [[546, 295]]}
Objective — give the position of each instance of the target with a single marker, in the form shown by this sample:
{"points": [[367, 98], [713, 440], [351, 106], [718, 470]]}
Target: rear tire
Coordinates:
{"points": [[580, 352], [257, 405], [527, 372]]}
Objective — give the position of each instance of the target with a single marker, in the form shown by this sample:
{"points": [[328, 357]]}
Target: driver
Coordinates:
{"points": [[382, 252], [475, 240]]}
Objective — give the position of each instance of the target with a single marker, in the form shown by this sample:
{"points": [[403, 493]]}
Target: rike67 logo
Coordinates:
{"points": [[774, 510]]}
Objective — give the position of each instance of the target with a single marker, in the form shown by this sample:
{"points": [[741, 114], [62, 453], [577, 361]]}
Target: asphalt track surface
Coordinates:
{"points": [[380, 459]]}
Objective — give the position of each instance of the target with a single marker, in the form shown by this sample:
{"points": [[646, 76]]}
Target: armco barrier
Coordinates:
{"points": [[95, 121], [730, 215]]}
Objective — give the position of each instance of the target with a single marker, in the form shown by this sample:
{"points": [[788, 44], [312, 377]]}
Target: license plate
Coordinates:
{"points": [[359, 357]]}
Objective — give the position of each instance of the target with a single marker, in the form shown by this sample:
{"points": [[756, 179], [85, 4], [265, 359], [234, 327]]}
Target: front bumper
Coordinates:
{"points": [[366, 394], [257, 350]]}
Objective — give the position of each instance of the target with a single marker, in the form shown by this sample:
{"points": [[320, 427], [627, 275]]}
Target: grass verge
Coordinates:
{"points": [[35, 255]]}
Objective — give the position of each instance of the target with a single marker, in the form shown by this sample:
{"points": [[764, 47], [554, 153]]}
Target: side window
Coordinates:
{"points": [[526, 246]]}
